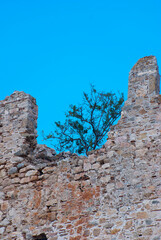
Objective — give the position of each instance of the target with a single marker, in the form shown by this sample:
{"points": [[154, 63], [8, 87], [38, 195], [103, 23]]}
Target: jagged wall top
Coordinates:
{"points": [[144, 79], [18, 112], [114, 193]]}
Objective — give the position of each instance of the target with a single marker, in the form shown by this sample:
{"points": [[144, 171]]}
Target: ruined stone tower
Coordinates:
{"points": [[114, 193]]}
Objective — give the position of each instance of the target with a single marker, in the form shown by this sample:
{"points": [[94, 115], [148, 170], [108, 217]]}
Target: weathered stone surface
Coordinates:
{"points": [[20, 165], [2, 229], [114, 193], [13, 170]]}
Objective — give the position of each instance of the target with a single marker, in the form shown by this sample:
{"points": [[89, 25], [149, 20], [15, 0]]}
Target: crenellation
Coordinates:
{"points": [[114, 193]]}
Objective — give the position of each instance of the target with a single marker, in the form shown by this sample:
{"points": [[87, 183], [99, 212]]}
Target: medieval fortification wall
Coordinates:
{"points": [[114, 193]]}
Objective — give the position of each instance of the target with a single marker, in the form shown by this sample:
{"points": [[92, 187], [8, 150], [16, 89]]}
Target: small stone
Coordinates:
{"points": [[4, 205], [78, 169], [2, 161], [148, 232], [106, 165], [33, 178], [31, 173], [148, 221], [20, 165], [51, 202], [1, 215], [132, 137], [3, 173], [11, 194], [25, 180], [110, 154], [105, 179], [5, 222], [102, 220], [15, 180], [115, 231], [48, 169], [2, 195], [12, 170], [109, 225], [52, 216], [96, 166], [86, 233], [2, 230], [96, 232], [142, 215], [79, 230], [87, 166], [128, 224]]}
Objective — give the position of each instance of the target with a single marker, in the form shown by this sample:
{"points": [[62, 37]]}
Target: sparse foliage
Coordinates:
{"points": [[86, 126]]}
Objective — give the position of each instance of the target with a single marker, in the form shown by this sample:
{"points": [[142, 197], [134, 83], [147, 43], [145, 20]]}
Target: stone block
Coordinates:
{"points": [[3, 173], [31, 173], [2, 229], [12, 170]]}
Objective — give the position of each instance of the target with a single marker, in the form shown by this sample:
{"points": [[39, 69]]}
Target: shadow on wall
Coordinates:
{"points": [[42, 236]]}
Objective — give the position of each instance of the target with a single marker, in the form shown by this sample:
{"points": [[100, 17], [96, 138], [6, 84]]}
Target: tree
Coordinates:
{"points": [[86, 125]]}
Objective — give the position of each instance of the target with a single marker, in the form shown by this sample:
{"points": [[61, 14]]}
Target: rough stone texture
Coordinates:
{"points": [[114, 193]]}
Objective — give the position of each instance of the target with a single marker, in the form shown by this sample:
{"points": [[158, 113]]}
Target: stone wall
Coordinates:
{"points": [[114, 193]]}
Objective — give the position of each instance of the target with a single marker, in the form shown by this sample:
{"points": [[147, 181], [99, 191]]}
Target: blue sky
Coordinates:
{"points": [[53, 50]]}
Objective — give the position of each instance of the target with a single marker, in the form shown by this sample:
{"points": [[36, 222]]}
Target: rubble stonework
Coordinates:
{"points": [[114, 193]]}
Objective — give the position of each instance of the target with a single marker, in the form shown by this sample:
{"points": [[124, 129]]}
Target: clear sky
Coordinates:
{"points": [[54, 49]]}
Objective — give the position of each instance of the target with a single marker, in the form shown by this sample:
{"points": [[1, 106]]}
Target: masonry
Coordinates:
{"points": [[114, 193]]}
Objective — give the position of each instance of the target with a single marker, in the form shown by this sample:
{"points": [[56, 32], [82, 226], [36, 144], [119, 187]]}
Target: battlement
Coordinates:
{"points": [[114, 193]]}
